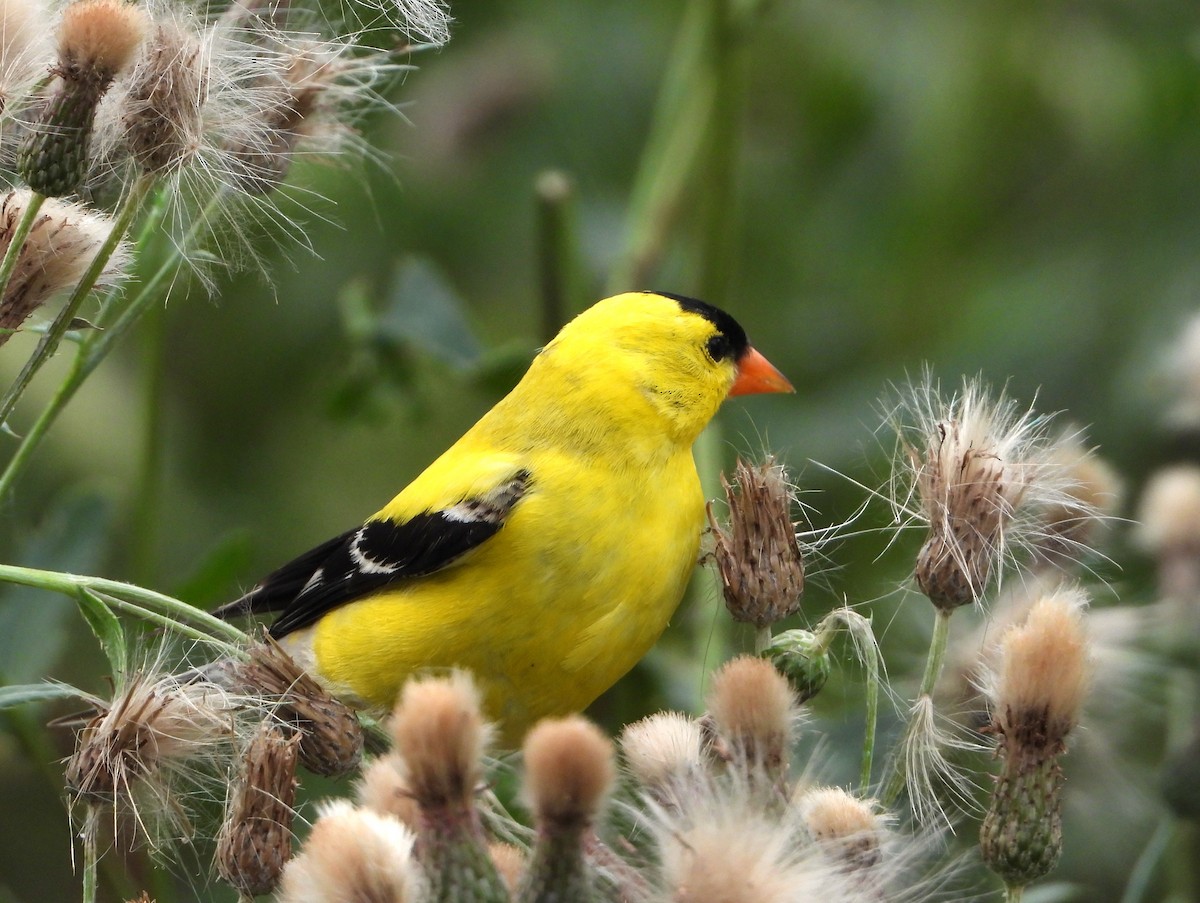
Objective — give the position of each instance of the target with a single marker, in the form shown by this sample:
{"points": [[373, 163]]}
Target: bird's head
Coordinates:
{"points": [[682, 356]]}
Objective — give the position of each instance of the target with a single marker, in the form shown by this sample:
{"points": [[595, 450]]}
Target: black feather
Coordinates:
{"points": [[377, 554]]}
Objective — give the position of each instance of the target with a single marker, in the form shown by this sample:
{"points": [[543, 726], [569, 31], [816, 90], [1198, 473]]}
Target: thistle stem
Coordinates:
{"points": [[762, 639], [934, 661], [91, 857], [13, 253], [1013, 894], [556, 250], [49, 343], [126, 595], [95, 348]]}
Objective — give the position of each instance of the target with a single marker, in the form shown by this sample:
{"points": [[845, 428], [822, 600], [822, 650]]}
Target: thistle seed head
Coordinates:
{"points": [[665, 754], [331, 738], [98, 38], [846, 828], [161, 106], [762, 571], [26, 50], [354, 854], [568, 770], [976, 471], [382, 789], [1038, 687], [255, 841], [59, 248], [439, 731], [755, 715], [1092, 494]]}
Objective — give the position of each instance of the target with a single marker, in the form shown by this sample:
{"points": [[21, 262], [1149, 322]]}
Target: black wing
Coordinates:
{"points": [[370, 557]]}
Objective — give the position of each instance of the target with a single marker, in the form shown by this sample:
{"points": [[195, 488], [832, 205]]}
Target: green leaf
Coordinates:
{"points": [[424, 310], [24, 694], [107, 628]]}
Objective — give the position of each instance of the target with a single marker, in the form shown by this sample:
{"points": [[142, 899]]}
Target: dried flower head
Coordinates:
{"points": [[510, 862], [25, 49], [255, 841], [59, 248], [724, 848], [162, 103], [159, 743], [846, 828], [96, 40], [354, 855], [665, 754], [439, 731], [982, 474], [1036, 691], [1092, 493], [382, 789], [755, 716], [762, 571], [569, 769], [1038, 687], [331, 737]]}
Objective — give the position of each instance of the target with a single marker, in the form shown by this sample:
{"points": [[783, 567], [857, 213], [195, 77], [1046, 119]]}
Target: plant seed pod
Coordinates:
{"points": [[762, 570], [331, 737], [255, 842], [96, 40], [803, 659]]}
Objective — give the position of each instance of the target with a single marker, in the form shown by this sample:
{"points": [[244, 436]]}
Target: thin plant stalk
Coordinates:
{"points": [[762, 638], [556, 250], [13, 254], [125, 594], [91, 854], [934, 661], [96, 347], [1013, 894], [130, 207]]}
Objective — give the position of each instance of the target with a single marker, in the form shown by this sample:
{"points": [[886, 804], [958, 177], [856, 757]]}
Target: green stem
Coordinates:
{"points": [[144, 535], [95, 348], [762, 639], [936, 657], [1013, 894], [13, 253], [126, 593], [1141, 878], [130, 207], [556, 250], [934, 661], [91, 855]]}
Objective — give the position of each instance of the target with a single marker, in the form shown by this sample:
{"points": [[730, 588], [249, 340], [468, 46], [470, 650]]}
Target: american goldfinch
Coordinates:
{"points": [[547, 549]]}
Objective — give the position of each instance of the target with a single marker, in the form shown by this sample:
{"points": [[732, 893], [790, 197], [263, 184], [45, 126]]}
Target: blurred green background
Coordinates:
{"points": [[1000, 189]]}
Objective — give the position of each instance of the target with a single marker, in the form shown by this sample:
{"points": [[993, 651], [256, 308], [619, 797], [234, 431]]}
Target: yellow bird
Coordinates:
{"points": [[547, 549]]}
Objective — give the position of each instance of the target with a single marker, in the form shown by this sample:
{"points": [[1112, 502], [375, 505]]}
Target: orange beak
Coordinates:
{"points": [[757, 375]]}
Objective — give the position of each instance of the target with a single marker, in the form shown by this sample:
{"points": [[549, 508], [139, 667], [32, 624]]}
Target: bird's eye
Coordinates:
{"points": [[718, 348]]}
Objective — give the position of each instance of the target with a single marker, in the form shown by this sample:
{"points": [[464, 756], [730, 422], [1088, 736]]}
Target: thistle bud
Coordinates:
{"points": [[569, 769], [803, 658], [255, 842], [762, 571], [383, 789], [440, 733], [1036, 692], [331, 738], [96, 40]]}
